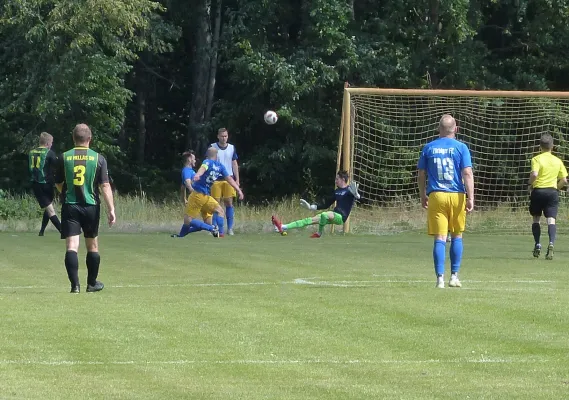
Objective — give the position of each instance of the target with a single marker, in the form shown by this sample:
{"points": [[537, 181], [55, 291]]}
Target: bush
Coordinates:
{"points": [[18, 207]]}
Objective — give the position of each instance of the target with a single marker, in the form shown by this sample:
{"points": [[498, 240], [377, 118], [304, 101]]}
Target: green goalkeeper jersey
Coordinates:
{"points": [[81, 170]]}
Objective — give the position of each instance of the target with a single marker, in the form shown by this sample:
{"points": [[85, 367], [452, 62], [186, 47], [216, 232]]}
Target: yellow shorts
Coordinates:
{"points": [[222, 190], [199, 203], [446, 213]]}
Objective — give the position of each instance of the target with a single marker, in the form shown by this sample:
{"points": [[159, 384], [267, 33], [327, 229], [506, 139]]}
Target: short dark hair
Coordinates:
{"points": [[546, 141], [186, 155], [343, 175]]}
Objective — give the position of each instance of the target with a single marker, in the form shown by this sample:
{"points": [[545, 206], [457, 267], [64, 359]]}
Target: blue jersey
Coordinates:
{"points": [[187, 173], [214, 170], [444, 159]]}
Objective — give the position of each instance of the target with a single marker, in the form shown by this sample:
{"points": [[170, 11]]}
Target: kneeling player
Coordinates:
{"points": [[344, 196]]}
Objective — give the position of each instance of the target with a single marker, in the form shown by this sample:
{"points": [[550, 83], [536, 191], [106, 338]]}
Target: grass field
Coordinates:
{"points": [[271, 317]]}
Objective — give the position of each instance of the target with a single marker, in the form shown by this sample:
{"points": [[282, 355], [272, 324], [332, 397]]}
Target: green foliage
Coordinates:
{"points": [[69, 61], [18, 207]]}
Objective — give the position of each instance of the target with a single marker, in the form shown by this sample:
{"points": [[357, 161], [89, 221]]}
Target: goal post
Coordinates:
{"points": [[383, 130]]}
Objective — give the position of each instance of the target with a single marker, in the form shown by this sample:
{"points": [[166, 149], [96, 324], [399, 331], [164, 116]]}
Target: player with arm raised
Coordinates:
{"points": [[42, 162], [344, 196], [547, 176], [200, 200], [446, 187], [222, 190], [81, 174], [188, 174]]}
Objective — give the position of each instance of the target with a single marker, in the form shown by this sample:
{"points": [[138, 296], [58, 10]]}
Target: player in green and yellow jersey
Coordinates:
{"points": [[81, 173], [41, 163]]}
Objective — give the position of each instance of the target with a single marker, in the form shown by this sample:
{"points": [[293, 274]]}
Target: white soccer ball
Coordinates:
{"points": [[271, 117]]}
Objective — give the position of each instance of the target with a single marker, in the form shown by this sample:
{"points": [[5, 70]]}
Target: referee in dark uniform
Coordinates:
{"points": [[548, 175], [81, 173], [41, 163]]}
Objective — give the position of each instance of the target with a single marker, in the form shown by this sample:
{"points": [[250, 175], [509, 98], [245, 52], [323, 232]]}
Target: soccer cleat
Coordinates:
{"points": [[454, 282], [98, 286], [221, 235], [277, 223], [174, 235], [315, 235], [75, 289], [40, 234], [215, 231], [440, 282], [549, 254], [537, 250], [230, 232]]}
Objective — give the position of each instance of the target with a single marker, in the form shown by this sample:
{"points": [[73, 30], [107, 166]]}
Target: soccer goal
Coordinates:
{"points": [[383, 130]]}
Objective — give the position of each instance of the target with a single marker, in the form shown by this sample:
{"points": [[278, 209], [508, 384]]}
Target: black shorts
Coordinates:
{"points": [[43, 193], [544, 201], [75, 217]]}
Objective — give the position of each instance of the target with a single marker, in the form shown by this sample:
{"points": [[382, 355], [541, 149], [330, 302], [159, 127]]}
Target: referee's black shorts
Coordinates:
{"points": [[544, 201], [43, 193], [76, 218]]}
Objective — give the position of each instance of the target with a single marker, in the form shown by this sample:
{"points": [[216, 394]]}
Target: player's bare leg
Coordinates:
{"points": [[49, 215]]}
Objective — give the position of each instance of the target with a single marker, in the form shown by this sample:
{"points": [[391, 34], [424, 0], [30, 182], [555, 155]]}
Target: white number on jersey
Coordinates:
{"points": [[445, 168]]}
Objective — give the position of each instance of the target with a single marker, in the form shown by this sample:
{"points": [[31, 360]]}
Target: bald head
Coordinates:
{"points": [[81, 135], [447, 126], [211, 153]]}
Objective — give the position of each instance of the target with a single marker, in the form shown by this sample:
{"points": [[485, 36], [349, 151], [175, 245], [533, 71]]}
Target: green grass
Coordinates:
{"points": [[270, 317]]}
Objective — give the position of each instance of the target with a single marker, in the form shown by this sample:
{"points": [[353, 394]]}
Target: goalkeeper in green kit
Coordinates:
{"points": [[344, 196]]}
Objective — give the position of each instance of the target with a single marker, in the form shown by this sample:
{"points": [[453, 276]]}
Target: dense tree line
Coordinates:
{"points": [[153, 78]]}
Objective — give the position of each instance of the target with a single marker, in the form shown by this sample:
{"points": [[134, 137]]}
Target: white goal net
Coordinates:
{"points": [[385, 131]]}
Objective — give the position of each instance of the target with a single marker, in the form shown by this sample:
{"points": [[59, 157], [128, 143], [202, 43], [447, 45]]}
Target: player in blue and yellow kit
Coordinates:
{"points": [[188, 174], [446, 187], [344, 196], [200, 200]]}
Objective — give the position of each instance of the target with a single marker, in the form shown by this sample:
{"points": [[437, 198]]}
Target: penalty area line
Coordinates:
{"points": [[64, 363]]}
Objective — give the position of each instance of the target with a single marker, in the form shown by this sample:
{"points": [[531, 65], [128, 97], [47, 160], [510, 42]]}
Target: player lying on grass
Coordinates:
{"points": [[344, 196], [200, 200]]}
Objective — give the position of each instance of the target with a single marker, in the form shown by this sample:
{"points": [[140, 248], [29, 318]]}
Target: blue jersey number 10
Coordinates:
{"points": [[445, 168]]}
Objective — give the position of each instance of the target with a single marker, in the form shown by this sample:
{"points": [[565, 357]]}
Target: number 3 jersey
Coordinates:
{"points": [[81, 170], [444, 159]]}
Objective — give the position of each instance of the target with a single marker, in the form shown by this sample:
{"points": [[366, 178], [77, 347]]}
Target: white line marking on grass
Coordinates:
{"points": [[304, 281], [273, 362]]}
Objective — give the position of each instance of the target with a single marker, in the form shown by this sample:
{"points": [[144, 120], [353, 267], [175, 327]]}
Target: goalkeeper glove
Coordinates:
{"points": [[353, 188], [305, 204]]}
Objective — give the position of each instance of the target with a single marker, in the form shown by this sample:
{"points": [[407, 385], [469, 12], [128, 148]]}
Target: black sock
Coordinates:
{"points": [[552, 231], [72, 267], [55, 221], [44, 221], [536, 230], [93, 260]]}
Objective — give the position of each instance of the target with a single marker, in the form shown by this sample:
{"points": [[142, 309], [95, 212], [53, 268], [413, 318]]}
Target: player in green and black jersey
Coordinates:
{"points": [[81, 176], [41, 164]]}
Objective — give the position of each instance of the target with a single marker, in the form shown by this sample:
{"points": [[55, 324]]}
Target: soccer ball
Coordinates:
{"points": [[271, 117]]}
